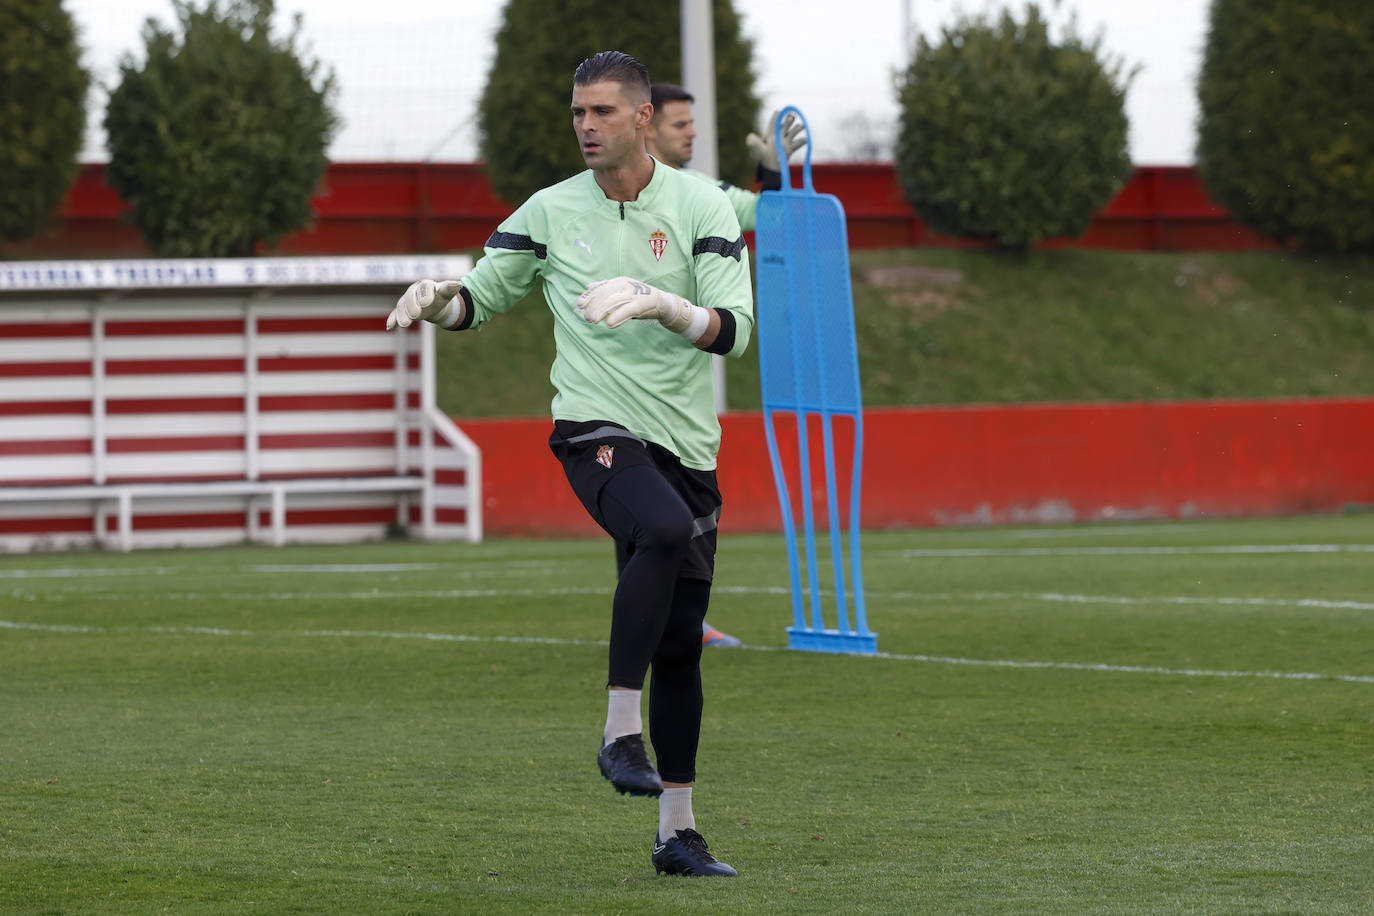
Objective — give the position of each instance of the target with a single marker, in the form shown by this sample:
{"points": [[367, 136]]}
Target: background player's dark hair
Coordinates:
{"points": [[662, 93], [615, 66]]}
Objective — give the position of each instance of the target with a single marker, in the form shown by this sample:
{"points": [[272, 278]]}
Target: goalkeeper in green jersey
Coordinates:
{"points": [[645, 272], [669, 139]]}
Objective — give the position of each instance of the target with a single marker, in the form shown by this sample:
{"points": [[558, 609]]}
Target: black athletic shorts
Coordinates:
{"points": [[593, 452]]}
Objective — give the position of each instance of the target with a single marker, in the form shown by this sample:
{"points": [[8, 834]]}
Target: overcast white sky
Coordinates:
{"points": [[832, 60]]}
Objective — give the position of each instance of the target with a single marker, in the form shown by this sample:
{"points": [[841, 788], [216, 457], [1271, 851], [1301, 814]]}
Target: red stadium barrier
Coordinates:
{"points": [[401, 208], [984, 465]]}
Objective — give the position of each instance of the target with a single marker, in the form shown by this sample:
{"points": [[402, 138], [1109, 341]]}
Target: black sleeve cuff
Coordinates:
{"points": [[467, 311], [769, 179], [725, 339]]}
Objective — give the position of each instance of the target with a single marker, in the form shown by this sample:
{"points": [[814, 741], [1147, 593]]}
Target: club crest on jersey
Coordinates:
{"points": [[658, 243], [603, 455]]}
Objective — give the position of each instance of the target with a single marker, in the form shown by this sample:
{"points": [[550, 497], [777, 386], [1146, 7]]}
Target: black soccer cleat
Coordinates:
{"points": [[625, 763], [685, 854]]}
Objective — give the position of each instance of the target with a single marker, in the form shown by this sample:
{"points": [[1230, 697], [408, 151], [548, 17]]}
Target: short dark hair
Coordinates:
{"points": [[662, 93], [614, 66]]}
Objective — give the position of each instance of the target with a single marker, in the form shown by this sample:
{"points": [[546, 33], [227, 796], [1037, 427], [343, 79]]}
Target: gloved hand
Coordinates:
{"points": [[765, 148], [425, 299], [618, 300]]}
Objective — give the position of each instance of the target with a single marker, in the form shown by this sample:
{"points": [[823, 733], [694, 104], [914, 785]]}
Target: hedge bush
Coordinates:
{"points": [[42, 113], [1286, 125], [217, 139], [1008, 135], [525, 128]]}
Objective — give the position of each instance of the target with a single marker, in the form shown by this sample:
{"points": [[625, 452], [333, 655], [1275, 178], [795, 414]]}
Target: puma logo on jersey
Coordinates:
{"points": [[587, 245]]}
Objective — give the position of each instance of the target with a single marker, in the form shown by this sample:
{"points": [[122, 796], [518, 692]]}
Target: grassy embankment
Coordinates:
{"points": [[959, 327]]}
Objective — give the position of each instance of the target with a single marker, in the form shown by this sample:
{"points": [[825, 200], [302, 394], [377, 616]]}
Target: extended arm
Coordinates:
{"points": [[444, 303], [765, 148], [508, 269]]}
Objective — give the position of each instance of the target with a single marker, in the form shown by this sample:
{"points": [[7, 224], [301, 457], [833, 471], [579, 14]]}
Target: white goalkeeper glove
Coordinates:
{"points": [[428, 301], [618, 300], [765, 148]]}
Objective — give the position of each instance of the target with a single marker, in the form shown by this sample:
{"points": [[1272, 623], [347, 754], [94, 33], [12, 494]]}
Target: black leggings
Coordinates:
{"points": [[656, 616]]}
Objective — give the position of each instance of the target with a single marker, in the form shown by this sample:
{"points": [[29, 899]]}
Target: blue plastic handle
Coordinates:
{"points": [[777, 145]]}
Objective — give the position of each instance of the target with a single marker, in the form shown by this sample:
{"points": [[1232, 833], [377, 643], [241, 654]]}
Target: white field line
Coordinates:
{"points": [[457, 567], [1133, 669], [377, 594], [1059, 598], [461, 563], [464, 568], [340, 634], [1198, 550], [1012, 664], [392, 574], [1094, 529], [78, 573], [342, 567], [374, 594]]}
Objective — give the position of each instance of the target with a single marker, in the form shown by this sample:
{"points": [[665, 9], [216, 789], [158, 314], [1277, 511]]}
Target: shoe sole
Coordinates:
{"points": [[624, 791], [659, 871], [632, 792]]}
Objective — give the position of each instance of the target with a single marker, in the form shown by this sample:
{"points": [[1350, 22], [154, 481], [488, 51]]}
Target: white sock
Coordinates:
{"points": [[675, 812], [622, 715]]}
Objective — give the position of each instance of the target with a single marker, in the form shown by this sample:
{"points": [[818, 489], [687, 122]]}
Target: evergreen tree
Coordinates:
{"points": [[523, 118], [1008, 135], [1286, 126], [217, 139], [42, 113]]}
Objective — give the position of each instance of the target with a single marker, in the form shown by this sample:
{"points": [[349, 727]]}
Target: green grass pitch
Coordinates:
{"points": [[1135, 718]]}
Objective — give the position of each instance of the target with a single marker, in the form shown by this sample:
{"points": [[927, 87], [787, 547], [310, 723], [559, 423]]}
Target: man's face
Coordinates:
{"points": [[671, 133], [605, 122]]}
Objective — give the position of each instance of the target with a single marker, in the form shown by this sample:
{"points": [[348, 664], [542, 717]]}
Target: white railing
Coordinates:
{"points": [[151, 403]]}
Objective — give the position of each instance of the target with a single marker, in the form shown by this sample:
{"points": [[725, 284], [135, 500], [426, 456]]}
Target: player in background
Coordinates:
{"points": [[672, 132], [669, 138], [646, 274]]}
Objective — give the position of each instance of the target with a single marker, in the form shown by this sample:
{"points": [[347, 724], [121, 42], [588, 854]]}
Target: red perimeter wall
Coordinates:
{"points": [[922, 466], [976, 465], [400, 208]]}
